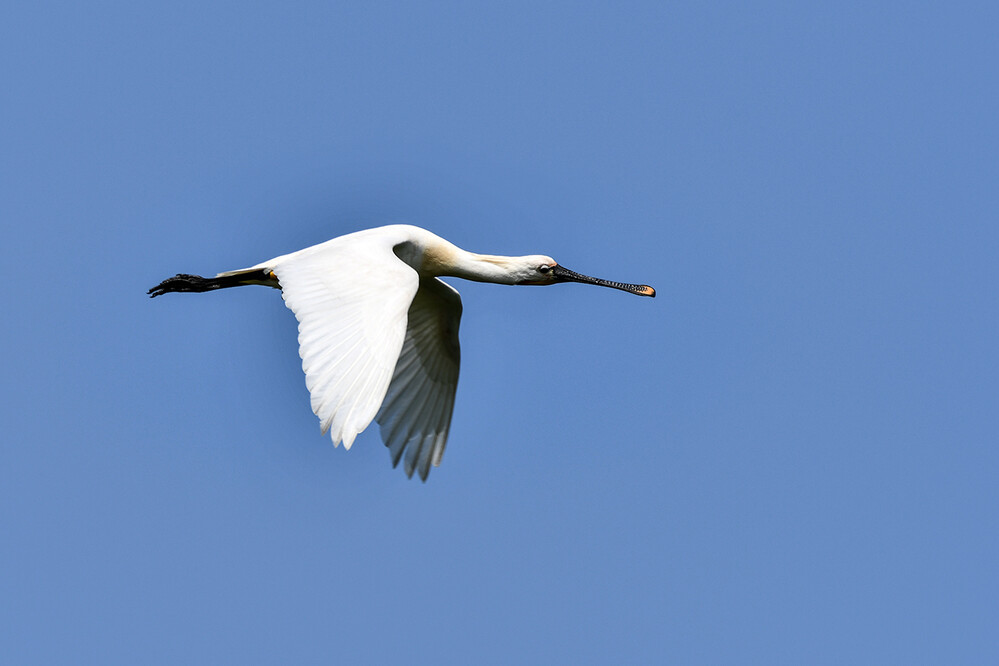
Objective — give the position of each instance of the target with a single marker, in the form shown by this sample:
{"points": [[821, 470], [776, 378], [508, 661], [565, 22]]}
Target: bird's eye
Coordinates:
{"points": [[543, 268]]}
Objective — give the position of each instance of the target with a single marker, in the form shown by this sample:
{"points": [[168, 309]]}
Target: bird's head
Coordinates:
{"points": [[533, 269], [538, 269]]}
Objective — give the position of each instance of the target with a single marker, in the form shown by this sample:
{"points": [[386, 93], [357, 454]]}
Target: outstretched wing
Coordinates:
{"points": [[416, 414], [351, 301]]}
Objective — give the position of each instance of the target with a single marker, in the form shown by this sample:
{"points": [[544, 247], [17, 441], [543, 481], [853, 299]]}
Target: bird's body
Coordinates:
{"points": [[378, 329]]}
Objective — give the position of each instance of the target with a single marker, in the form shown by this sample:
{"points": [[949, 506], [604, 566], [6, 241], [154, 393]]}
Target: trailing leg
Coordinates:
{"points": [[197, 284]]}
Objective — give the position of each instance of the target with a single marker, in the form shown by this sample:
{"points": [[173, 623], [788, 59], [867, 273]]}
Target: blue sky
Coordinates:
{"points": [[789, 456]]}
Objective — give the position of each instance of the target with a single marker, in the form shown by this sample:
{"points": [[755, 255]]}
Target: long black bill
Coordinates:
{"points": [[563, 274]]}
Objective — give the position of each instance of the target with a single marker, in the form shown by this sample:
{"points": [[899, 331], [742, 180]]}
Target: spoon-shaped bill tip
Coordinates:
{"points": [[563, 274]]}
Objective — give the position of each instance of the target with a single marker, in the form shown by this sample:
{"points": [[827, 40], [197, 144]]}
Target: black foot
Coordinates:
{"points": [[184, 282]]}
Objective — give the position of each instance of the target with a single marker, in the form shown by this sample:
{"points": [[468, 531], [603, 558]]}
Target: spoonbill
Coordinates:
{"points": [[378, 329]]}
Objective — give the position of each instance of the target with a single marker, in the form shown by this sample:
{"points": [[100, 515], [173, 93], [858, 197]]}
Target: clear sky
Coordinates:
{"points": [[789, 456]]}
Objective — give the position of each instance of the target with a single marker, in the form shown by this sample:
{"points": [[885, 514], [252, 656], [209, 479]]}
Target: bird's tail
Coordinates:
{"points": [[196, 283]]}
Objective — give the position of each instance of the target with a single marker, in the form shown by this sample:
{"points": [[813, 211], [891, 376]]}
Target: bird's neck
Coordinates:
{"points": [[481, 267]]}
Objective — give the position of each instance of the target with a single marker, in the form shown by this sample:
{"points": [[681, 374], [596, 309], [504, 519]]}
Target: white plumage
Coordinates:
{"points": [[378, 331]]}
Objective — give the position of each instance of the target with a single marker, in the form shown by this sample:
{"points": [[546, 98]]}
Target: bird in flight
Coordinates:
{"points": [[378, 329]]}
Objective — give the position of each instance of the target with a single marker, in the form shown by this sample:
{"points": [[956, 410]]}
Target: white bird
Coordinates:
{"points": [[378, 331]]}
